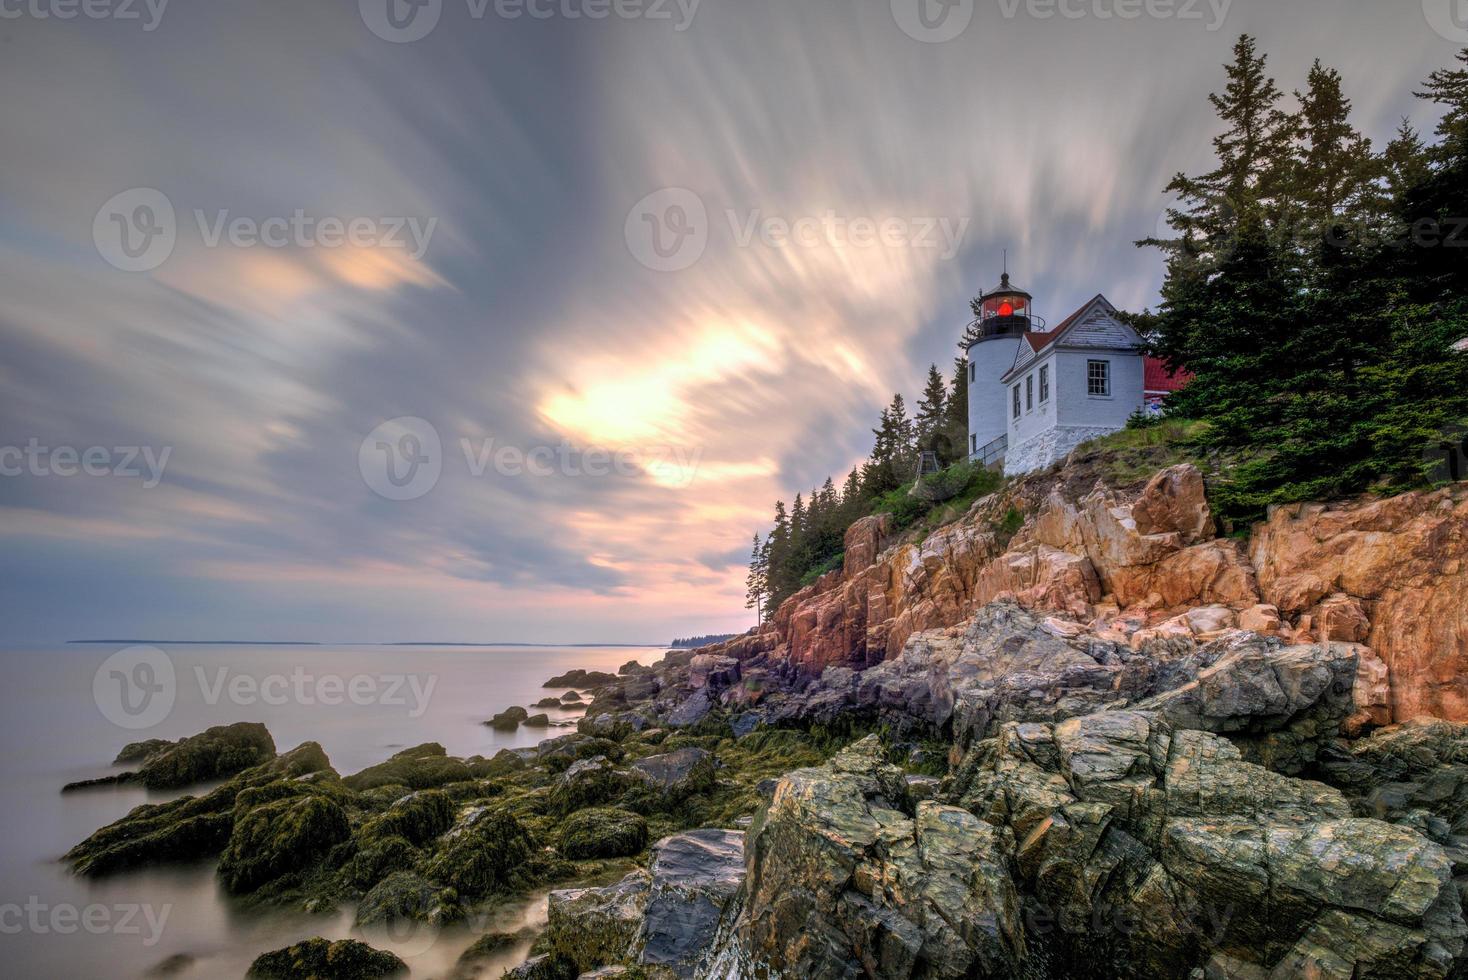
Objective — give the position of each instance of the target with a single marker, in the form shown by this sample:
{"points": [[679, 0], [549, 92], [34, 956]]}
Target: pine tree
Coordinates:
{"points": [[891, 462], [1449, 87], [1252, 178], [1334, 181], [930, 424], [756, 582], [957, 412], [1404, 162]]}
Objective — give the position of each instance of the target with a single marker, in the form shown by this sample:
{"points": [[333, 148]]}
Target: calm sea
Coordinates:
{"points": [[59, 722]]}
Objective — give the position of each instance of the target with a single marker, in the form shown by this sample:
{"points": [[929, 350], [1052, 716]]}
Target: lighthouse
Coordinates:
{"points": [[992, 342]]}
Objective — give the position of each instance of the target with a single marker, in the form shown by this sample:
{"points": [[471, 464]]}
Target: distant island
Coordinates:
{"points": [[686, 643]]}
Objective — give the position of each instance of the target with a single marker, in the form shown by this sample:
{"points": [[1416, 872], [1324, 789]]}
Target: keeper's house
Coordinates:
{"points": [[1036, 393]]}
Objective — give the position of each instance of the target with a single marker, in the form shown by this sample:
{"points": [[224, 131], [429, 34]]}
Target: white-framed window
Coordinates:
{"points": [[1030, 393], [1044, 384], [972, 372], [1016, 401], [973, 442], [1098, 379]]}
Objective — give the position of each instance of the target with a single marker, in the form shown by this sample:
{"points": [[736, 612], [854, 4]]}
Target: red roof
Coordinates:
{"points": [[1156, 377], [1039, 340]]}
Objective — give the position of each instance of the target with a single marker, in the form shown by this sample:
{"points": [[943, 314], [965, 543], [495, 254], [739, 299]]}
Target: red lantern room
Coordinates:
{"points": [[1004, 310]]}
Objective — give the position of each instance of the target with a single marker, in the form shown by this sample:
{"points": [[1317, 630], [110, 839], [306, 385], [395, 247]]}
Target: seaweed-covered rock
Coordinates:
{"points": [[695, 877], [485, 852], [212, 754], [345, 959], [139, 751], [375, 860], [509, 719], [602, 832], [592, 927], [190, 828], [679, 773], [547, 703], [280, 837], [406, 897], [420, 767], [579, 678], [541, 720], [591, 782], [418, 817]]}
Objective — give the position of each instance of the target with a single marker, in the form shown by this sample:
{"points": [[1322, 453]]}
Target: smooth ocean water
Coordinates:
{"points": [[54, 924]]}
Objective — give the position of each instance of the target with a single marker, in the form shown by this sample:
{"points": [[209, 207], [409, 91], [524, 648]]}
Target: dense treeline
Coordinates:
{"points": [[807, 539], [693, 642], [1316, 287]]}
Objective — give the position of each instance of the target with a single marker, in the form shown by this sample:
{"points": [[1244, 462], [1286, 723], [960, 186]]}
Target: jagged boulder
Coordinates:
{"points": [[1402, 562], [695, 877], [842, 871], [1210, 861], [678, 773], [592, 927]]}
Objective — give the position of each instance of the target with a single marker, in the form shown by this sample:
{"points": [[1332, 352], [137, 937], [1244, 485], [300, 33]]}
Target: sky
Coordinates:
{"points": [[498, 320]]}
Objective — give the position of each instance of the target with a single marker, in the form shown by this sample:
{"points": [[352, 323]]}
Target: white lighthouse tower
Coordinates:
{"points": [[991, 343]]}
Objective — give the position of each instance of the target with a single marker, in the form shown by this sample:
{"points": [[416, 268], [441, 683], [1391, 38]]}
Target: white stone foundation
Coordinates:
{"points": [[1053, 444]]}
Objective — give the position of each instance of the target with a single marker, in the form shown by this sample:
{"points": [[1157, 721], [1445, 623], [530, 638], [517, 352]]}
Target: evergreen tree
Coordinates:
{"points": [[1327, 367], [1335, 174], [756, 582], [1252, 179], [1404, 162], [957, 413], [1449, 88], [931, 423]]}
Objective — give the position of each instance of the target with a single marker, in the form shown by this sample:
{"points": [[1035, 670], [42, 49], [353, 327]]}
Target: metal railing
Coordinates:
{"points": [[991, 451]]}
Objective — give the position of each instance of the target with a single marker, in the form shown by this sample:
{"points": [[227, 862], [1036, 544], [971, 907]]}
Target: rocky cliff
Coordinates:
{"points": [[1134, 563]]}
